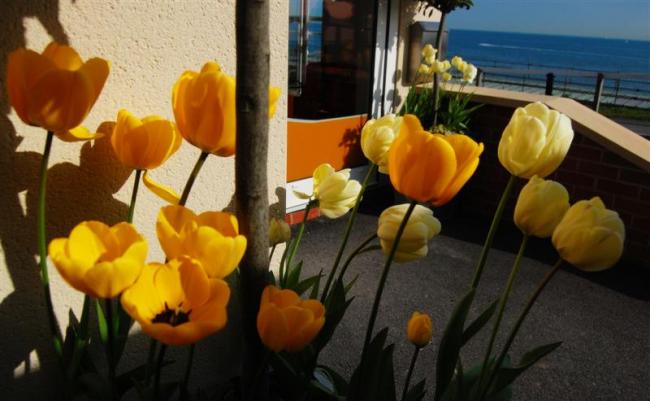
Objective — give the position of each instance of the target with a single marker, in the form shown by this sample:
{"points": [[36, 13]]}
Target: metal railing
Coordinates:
{"points": [[630, 89]]}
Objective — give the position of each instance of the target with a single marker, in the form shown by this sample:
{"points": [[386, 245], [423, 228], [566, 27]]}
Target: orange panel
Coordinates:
{"points": [[312, 142]]}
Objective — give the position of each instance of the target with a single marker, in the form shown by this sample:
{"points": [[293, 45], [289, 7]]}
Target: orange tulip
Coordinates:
{"points": [[287, 323], [431, 167], [54, 90], [177, 303], [204, 108]]}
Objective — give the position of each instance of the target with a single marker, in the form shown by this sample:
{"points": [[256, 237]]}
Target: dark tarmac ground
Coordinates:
{"points": [[603, 318]]}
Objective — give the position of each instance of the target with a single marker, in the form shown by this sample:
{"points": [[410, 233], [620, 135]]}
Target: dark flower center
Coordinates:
{"points": [[173, 317]]}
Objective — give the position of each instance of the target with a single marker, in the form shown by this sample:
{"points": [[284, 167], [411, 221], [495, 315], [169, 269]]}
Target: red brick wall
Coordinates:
{"points": [[589, 170]]}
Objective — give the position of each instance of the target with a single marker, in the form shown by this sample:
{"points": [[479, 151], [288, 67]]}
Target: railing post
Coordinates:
{"points": [[479, 77], [550, 79], [600, 81]]}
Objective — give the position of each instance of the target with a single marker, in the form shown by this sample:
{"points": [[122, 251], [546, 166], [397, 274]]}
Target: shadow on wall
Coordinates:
{"points": [[75, 193]]}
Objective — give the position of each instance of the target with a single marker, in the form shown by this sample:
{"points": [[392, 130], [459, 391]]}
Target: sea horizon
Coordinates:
{"points": [[552, 35]]}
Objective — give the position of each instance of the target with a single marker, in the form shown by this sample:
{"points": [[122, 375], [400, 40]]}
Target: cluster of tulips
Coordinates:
{"points": [[430, 65], [185, 298]]}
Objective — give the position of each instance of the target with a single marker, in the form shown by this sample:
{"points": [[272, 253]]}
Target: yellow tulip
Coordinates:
{"points": [[204, 108], [211, 238], [279, 231], [431, 167], [144, 144], [287, 323], [446, 76], [419, 329], [335, 191], [540, 207], [469, 73], [535, 141], [99, 260], [54, 90], [458, 63], [428, 51], [376, 138], [590, 236], [424, 69], [420, 228], [176, 303]]}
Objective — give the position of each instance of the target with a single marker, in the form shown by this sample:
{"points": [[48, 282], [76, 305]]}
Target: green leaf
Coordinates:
{"points": [[507, 375], [416, 392], [307, 284], [123, 325], [335, 307], [101, 322], [349, 285], [294, 276], [127, 380], [316, 288], [450, 344], [479, 322], [340, 383]]}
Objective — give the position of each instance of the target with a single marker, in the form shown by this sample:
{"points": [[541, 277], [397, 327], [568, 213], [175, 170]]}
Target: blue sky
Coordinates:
{"points": [[625, 19]]}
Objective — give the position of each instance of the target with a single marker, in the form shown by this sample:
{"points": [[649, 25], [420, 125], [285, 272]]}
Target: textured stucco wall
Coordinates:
{"points": [[149, 43]]}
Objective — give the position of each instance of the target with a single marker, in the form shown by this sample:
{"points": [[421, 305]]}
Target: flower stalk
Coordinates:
{"points": [[295, 244], [498, 214], [502, 307], [517, 326], [360, 249], [416, 352], [55, 331], [384, 277], [348, 229], [190, 181], [110, 347], [134, 195]]}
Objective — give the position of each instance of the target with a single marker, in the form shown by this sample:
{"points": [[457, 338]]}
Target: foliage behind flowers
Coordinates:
{"points": [[184, 299]]}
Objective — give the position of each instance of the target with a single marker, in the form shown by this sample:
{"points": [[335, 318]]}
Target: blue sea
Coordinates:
{"points": [[563, 52]]}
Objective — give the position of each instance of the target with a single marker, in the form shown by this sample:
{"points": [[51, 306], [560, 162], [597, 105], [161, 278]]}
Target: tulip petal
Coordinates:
{"points": [[77, 134], [64, 57], [60, 100], [71, 271], [195, 282], [272, 328], [96, 70], [24, 69], [164, 192], [170, 223]]}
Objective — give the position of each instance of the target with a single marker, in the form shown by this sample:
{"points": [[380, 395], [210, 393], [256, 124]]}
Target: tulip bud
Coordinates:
{"points": [[287, 323], [540, 207], [535, 141], [419, 329], [335, 192], [421, 227], [376, 138], [279, 231], [590, 236]]}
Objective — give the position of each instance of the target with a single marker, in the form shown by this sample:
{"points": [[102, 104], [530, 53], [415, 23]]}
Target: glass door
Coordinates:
{"points": [[331, 45]]}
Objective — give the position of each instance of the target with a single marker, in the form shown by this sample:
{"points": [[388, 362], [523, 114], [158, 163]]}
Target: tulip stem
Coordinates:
{"points": [[502, 307], [301, 231], [272, 251], [186, 377], [354, 253], [414, 358], [134, 195], [110, 347], [348, 229], [192, 177], [517, 326], [42, 247], [493, 229], [382, 282], [156, 379]]}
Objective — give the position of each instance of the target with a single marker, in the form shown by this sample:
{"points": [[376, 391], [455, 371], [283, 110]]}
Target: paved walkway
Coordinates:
{"points": [[606, 333]]}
